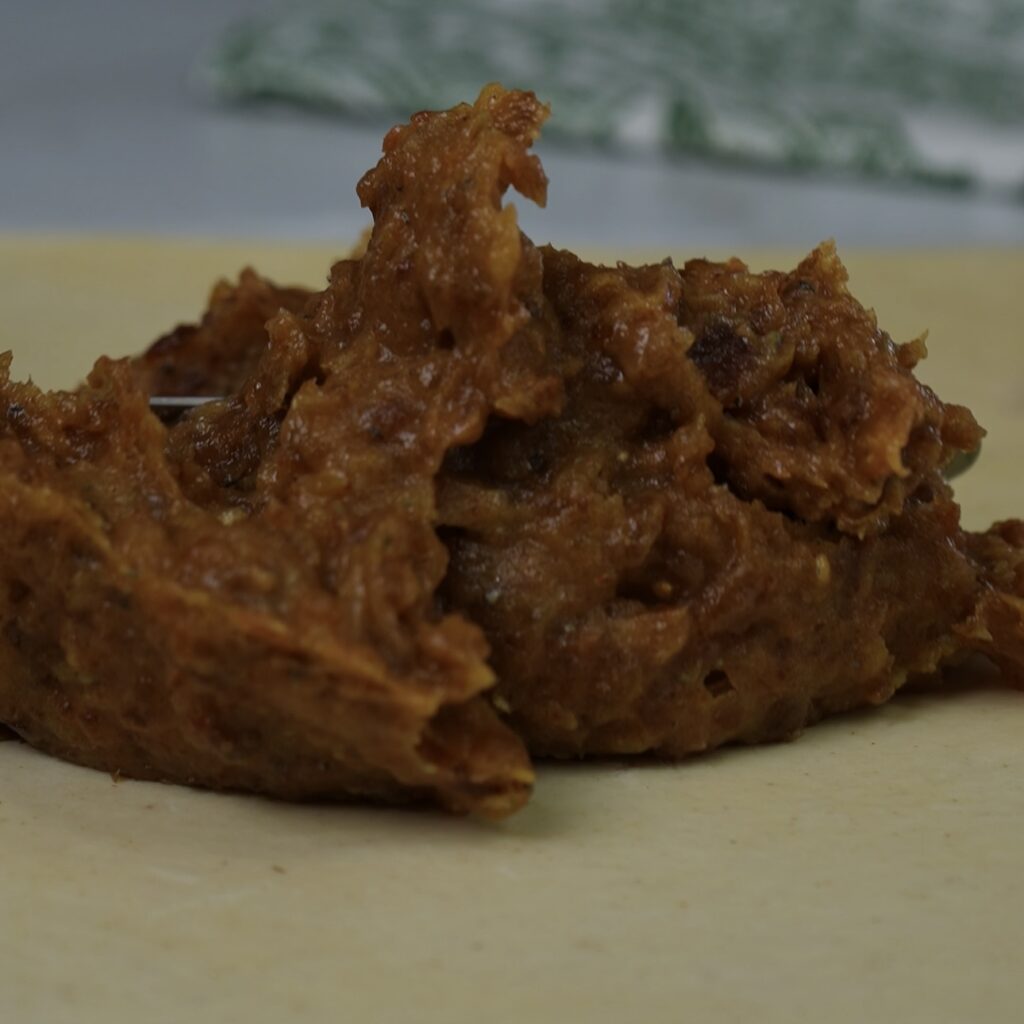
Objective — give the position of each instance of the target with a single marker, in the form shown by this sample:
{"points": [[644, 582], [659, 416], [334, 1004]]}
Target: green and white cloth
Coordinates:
{"points": [[924, 89]]}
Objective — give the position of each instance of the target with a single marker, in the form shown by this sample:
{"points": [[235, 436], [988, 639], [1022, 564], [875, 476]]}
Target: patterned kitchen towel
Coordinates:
{"points": [[931, 90]]}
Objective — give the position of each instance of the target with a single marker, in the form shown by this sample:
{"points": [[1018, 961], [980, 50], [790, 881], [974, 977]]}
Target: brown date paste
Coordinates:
{"points": [[478, 500]]}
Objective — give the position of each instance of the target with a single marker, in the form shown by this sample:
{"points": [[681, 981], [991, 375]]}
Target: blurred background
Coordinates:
{"points": [[696, 123]]}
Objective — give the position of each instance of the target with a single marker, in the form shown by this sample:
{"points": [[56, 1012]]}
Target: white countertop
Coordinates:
{"points": [[102, 128]]}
